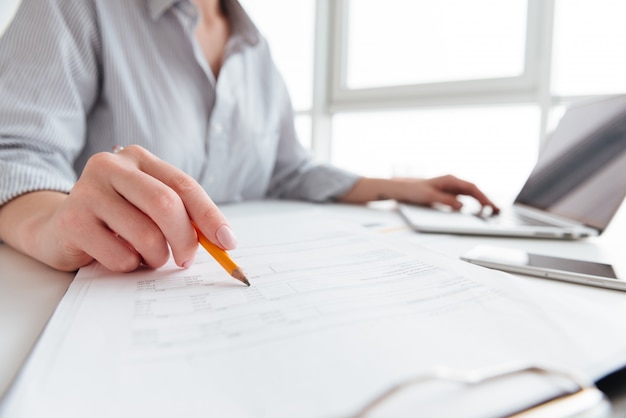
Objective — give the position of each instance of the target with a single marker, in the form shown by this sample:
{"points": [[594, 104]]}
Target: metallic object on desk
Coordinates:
{"points": [[585, 401]]}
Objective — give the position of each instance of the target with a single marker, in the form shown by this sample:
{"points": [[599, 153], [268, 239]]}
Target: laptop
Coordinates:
{"points": [[573, 192]]}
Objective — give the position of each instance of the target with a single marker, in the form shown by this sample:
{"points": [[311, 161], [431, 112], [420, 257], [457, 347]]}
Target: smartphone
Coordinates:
{"points": [[548, 267]]}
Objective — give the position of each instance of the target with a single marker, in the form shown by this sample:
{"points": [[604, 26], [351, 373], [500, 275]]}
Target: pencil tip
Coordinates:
{"points": [[239, 275]]}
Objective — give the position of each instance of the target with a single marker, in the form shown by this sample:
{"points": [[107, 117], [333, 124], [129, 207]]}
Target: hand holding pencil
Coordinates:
{"points": [[128, 208]]}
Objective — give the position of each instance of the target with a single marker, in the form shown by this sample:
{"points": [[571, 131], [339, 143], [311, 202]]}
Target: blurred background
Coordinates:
{"points": [[422, 88], [426, 88]]}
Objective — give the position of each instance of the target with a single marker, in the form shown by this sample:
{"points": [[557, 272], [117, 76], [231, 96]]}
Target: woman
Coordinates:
{"points": [[187, 92]]}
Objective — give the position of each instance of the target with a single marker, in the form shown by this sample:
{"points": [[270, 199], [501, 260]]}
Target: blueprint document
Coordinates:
{"points": [[335, 314]]}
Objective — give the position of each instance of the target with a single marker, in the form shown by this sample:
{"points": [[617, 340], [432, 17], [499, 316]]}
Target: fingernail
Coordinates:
{"points": [[189, 263], [226, 237]]}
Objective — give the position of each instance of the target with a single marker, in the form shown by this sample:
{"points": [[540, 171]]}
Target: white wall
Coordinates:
{"points": [[7, 10]]}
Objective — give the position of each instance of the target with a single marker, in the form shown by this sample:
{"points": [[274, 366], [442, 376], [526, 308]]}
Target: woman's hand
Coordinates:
{"points": [[126, 209], [443, 190]]}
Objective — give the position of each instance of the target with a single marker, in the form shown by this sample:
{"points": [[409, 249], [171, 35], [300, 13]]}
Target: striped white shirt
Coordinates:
{"points": [[78, 77]]}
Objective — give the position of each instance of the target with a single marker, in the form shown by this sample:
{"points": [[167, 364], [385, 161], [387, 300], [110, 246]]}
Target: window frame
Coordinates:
{"points": [[331, 97], [491, 90]]}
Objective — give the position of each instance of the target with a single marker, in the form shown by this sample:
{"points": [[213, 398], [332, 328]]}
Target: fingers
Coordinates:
{"points": [[199, 206], [80, 232], [169, 198], [111, 251], [454, 186], [446, 199], [160, 207], [135, 231], [177, 188], [137, 207]]}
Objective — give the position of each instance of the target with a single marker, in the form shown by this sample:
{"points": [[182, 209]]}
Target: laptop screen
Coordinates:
{"points": [[581, 173]]}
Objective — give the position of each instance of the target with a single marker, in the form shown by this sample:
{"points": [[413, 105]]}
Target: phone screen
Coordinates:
{"points": [[575, 266]]}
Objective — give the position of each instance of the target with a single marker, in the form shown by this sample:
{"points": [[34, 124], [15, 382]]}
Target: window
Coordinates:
{"points": [[426, 88], [289, 28], [409, 42], [404, 52], [493, 146], [7, 11], [430, 88], [589, 53]]}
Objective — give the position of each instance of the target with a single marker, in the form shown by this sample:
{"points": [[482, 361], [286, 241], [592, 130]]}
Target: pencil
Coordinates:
{"points": [[221, 257]]}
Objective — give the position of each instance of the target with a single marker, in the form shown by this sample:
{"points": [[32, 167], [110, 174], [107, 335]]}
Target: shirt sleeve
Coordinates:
{"points": [[296, 175], [48, 82]]}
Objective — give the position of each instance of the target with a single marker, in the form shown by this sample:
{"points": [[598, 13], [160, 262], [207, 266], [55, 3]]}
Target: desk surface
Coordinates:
{"points": [[30, 291]]}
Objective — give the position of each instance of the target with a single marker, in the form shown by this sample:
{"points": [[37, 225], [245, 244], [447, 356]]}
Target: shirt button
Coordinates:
{"points": [[218, 128]]}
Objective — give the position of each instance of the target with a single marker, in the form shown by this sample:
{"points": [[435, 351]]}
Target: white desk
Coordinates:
{"points": [[30, 291]]}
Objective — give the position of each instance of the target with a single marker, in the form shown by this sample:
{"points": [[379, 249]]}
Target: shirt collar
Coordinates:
{"points": [[241, 23], [158, 7]]}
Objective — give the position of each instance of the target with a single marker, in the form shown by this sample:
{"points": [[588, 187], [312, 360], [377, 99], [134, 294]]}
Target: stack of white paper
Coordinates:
{"points": [[335, 315]]}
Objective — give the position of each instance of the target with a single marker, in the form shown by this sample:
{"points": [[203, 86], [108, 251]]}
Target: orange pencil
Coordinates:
{"points": [[222, 257]]}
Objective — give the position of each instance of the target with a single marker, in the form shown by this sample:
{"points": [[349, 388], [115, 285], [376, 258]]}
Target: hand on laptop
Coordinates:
{"points": [[443, 190]]}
